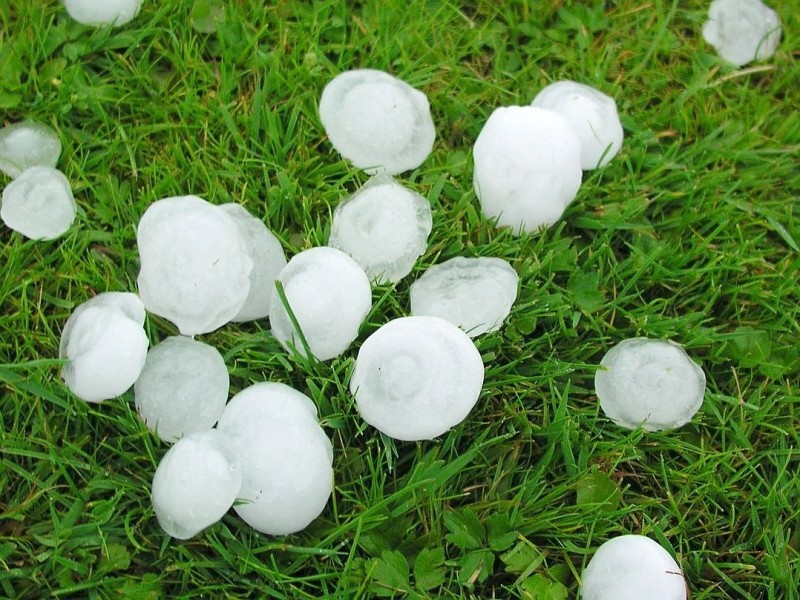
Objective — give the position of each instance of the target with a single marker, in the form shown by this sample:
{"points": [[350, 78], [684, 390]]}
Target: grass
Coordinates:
{"points": [[690, 234]]}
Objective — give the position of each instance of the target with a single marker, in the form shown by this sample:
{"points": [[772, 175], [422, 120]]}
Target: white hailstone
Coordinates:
{"points": [[384, 226], [105, 346], [107, 12], [182, 389], [39, 204], [651, 384], [591, 114], [632, 567], [195, 484], [329, 295], [377, 121], [742, 31], [268, 259], [527, 167], [195, 265], [416, 377], [475, 294], [28, 144], [285, 457]]}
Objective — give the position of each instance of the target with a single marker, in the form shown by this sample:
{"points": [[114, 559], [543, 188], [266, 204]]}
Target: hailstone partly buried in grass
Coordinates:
{"points": [[103, 12], [39, 204], [28, 144], [742, 31]]}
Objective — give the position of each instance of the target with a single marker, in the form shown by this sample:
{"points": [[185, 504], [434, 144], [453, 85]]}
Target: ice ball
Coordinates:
{"points": [[107, 12], [742, 31], [38, 204], [28, 144]]}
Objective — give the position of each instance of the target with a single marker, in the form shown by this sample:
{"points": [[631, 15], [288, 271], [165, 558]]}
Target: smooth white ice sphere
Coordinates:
{"points": [[195, 264], [28, 144], [195, 484], [106, 12], [416, 377], [591, 114], [384, 226], [38, 204], [527, 167], [377, 121], [329, 295], [742, 31], [651, 384], [182, 389], [475, 294], [632, 567], [105, 346], [285, 456]]}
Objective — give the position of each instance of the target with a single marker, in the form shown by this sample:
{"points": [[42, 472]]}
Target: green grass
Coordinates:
{"points": [[691, 234]]}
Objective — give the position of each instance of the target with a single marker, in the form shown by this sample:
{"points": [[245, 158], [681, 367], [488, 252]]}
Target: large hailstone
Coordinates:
{"points": [[527, 167], [591, 114], [28, 144], [384, 226], [105, 346], [329, 295], [377, 121], [416, 377], [39, 203], [651, 384], [285, 457], [195, 264], [107, 12], [182, 389], [742, 31]]}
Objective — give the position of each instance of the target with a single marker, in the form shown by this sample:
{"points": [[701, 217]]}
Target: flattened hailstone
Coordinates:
{"points": [[416, 377], [195, 265], [182, 389], [329, 295], [377, 121], [39, 204], [285, 457], [591, 114], [28, 144], [527, 167], [475, 294], [107, 12], [268, 260], [384, 226], [632, 567], [105, 346], [742, 31], [195, 484], [649, 383]]}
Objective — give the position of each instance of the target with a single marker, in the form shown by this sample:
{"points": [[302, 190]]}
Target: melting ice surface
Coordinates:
{"points": [[39, 204], [105, 12], [28, 144], [742, 31]]}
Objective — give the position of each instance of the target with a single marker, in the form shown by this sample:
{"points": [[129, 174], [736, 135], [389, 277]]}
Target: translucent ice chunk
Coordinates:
{"points": [[28, 144], [742, 31], [39, 204], [107, 12]]}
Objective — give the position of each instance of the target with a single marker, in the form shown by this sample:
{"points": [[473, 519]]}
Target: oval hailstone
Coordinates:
{"points": [[377, 121], [742, 31], [195, 265], [107, 12], [329, 295], [651, 384], [28, 144], [591, 114], [527, 167], [384, 227], [38, 204], [105, 346], [416, 377]]}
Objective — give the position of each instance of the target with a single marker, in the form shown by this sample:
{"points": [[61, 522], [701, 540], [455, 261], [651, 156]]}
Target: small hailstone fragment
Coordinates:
{"points": [[195, 484], [742, 31], [649, 383], [591, 114], [377, 121], [527, 167], [28, 144], [329, 295], [475, 294], [107, 12], [39, 204], [384, 226], [416, 377], [182, 389]]}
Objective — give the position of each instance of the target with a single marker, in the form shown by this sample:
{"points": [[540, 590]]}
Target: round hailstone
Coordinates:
{"points": [[107, 12], [632, 567], [385, 227], [742, 31], [591, 114], [105, 346], [195, 265], [195, 484], [416, 377], [377, 121], [329, 295], [527, 167], [28, 144], [39, 204], [475, 294], [182, 389], [651, 384], [285, 457]]}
